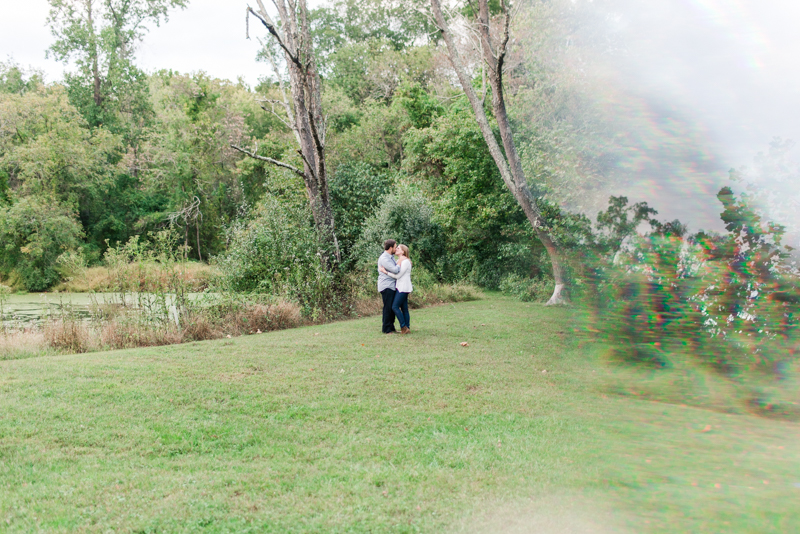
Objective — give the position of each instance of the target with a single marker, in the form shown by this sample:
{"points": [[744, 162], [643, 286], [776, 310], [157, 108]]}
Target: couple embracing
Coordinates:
{"points": [[394, 285]]}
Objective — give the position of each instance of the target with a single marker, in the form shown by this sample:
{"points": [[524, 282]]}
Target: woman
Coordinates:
{"points": [[404, 288]]}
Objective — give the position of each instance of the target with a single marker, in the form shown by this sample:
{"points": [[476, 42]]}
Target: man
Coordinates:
{"points": [[386, 284]]}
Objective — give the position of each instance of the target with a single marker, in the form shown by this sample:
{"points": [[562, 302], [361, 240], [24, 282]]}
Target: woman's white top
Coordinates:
{"points": [[403, 277]]}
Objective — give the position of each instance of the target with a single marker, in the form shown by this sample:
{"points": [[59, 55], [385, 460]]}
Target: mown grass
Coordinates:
{"points": [[337, 428]]}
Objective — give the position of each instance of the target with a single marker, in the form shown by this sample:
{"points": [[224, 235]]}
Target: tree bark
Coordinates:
{"points": [[197, 228], [509, 163], [94, 53], [306, 118]]}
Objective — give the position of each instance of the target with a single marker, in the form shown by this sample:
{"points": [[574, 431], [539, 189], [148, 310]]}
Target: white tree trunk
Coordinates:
{"points": [[509, 164]]}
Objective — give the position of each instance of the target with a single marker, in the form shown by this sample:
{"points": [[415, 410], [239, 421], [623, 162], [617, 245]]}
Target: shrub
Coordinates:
{"points": [[407, 217], [730, 301], [34, 232], [527, 289], [277, 252], [71, 265]]}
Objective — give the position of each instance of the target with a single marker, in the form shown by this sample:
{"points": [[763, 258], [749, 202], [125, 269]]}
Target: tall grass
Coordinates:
{"points": [[197, 276], [149, 305]]}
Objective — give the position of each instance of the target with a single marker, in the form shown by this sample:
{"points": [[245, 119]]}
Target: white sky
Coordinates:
{"points": [[733, 63], [209, 35]]}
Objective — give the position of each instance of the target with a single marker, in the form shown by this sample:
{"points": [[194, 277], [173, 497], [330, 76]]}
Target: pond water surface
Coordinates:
{"points": [[33, 307]]}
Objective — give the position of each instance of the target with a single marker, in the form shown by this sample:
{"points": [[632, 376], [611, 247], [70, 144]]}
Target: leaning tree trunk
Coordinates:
{"points": [[509, 164], [304, 115]]}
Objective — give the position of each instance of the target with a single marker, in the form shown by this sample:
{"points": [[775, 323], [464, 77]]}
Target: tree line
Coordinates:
{"points": [[359, 106]]}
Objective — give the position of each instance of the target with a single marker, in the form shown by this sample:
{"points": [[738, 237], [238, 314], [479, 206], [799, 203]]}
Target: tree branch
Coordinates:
{"points": [[308, 164], [269, 160], [501, 51], [291, 122], [275, 113], [272, 29]]}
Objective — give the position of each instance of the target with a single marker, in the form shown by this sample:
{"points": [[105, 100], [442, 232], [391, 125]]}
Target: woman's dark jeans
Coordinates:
{"points": [[400, 309]]}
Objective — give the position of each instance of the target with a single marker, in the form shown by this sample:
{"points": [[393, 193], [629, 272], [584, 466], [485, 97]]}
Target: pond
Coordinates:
{"points": [[33, 307]]}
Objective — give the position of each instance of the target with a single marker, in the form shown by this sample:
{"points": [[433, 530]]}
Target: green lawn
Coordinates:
{"points": [[337, 428]]}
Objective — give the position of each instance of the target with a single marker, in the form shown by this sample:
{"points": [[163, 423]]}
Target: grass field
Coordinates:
{"points": [[337, 428]]}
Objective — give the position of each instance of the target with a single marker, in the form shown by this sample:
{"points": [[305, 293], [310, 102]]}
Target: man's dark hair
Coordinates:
{"points": [[389, 243]]}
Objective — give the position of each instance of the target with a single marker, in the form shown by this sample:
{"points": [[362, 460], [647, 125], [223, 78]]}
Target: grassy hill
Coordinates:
{"points": [[337, 428]]}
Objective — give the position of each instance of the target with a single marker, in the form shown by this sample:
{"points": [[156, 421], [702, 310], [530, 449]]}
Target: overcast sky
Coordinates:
{"points": [[735, 63], [208, 35]]}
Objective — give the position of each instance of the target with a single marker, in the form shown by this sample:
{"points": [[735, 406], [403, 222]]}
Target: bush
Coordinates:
{"points": [[407, 217], [729, 303], [34, 232], [527, 289], [277, 252]]}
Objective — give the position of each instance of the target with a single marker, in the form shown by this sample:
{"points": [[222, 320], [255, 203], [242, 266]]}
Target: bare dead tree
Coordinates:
{"points": [[304, 112], [493, 53], [190, 211]]}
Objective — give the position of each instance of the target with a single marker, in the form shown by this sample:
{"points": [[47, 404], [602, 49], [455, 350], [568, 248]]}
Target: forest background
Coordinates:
{"points": [[116, 168]]}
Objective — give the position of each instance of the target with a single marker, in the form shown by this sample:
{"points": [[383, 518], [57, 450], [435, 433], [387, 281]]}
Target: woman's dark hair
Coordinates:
{"points": [[389, 243]]}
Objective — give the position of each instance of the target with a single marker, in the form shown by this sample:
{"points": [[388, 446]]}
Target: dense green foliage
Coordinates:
{"points": [[729, 302], [357, 191], [276, 251], [34, 232], [488, 235], [406, 216]]}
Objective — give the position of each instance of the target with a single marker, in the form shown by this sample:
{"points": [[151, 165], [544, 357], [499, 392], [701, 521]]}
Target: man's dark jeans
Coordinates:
{"points": [[388, 314]]}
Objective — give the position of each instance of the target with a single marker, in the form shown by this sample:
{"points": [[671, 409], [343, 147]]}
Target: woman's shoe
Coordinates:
{"points": [[405, 330]]}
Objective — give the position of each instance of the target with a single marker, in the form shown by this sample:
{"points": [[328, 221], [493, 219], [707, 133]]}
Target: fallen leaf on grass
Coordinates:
{"points": [[706, 429], [464, 344], [544, 371]]}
